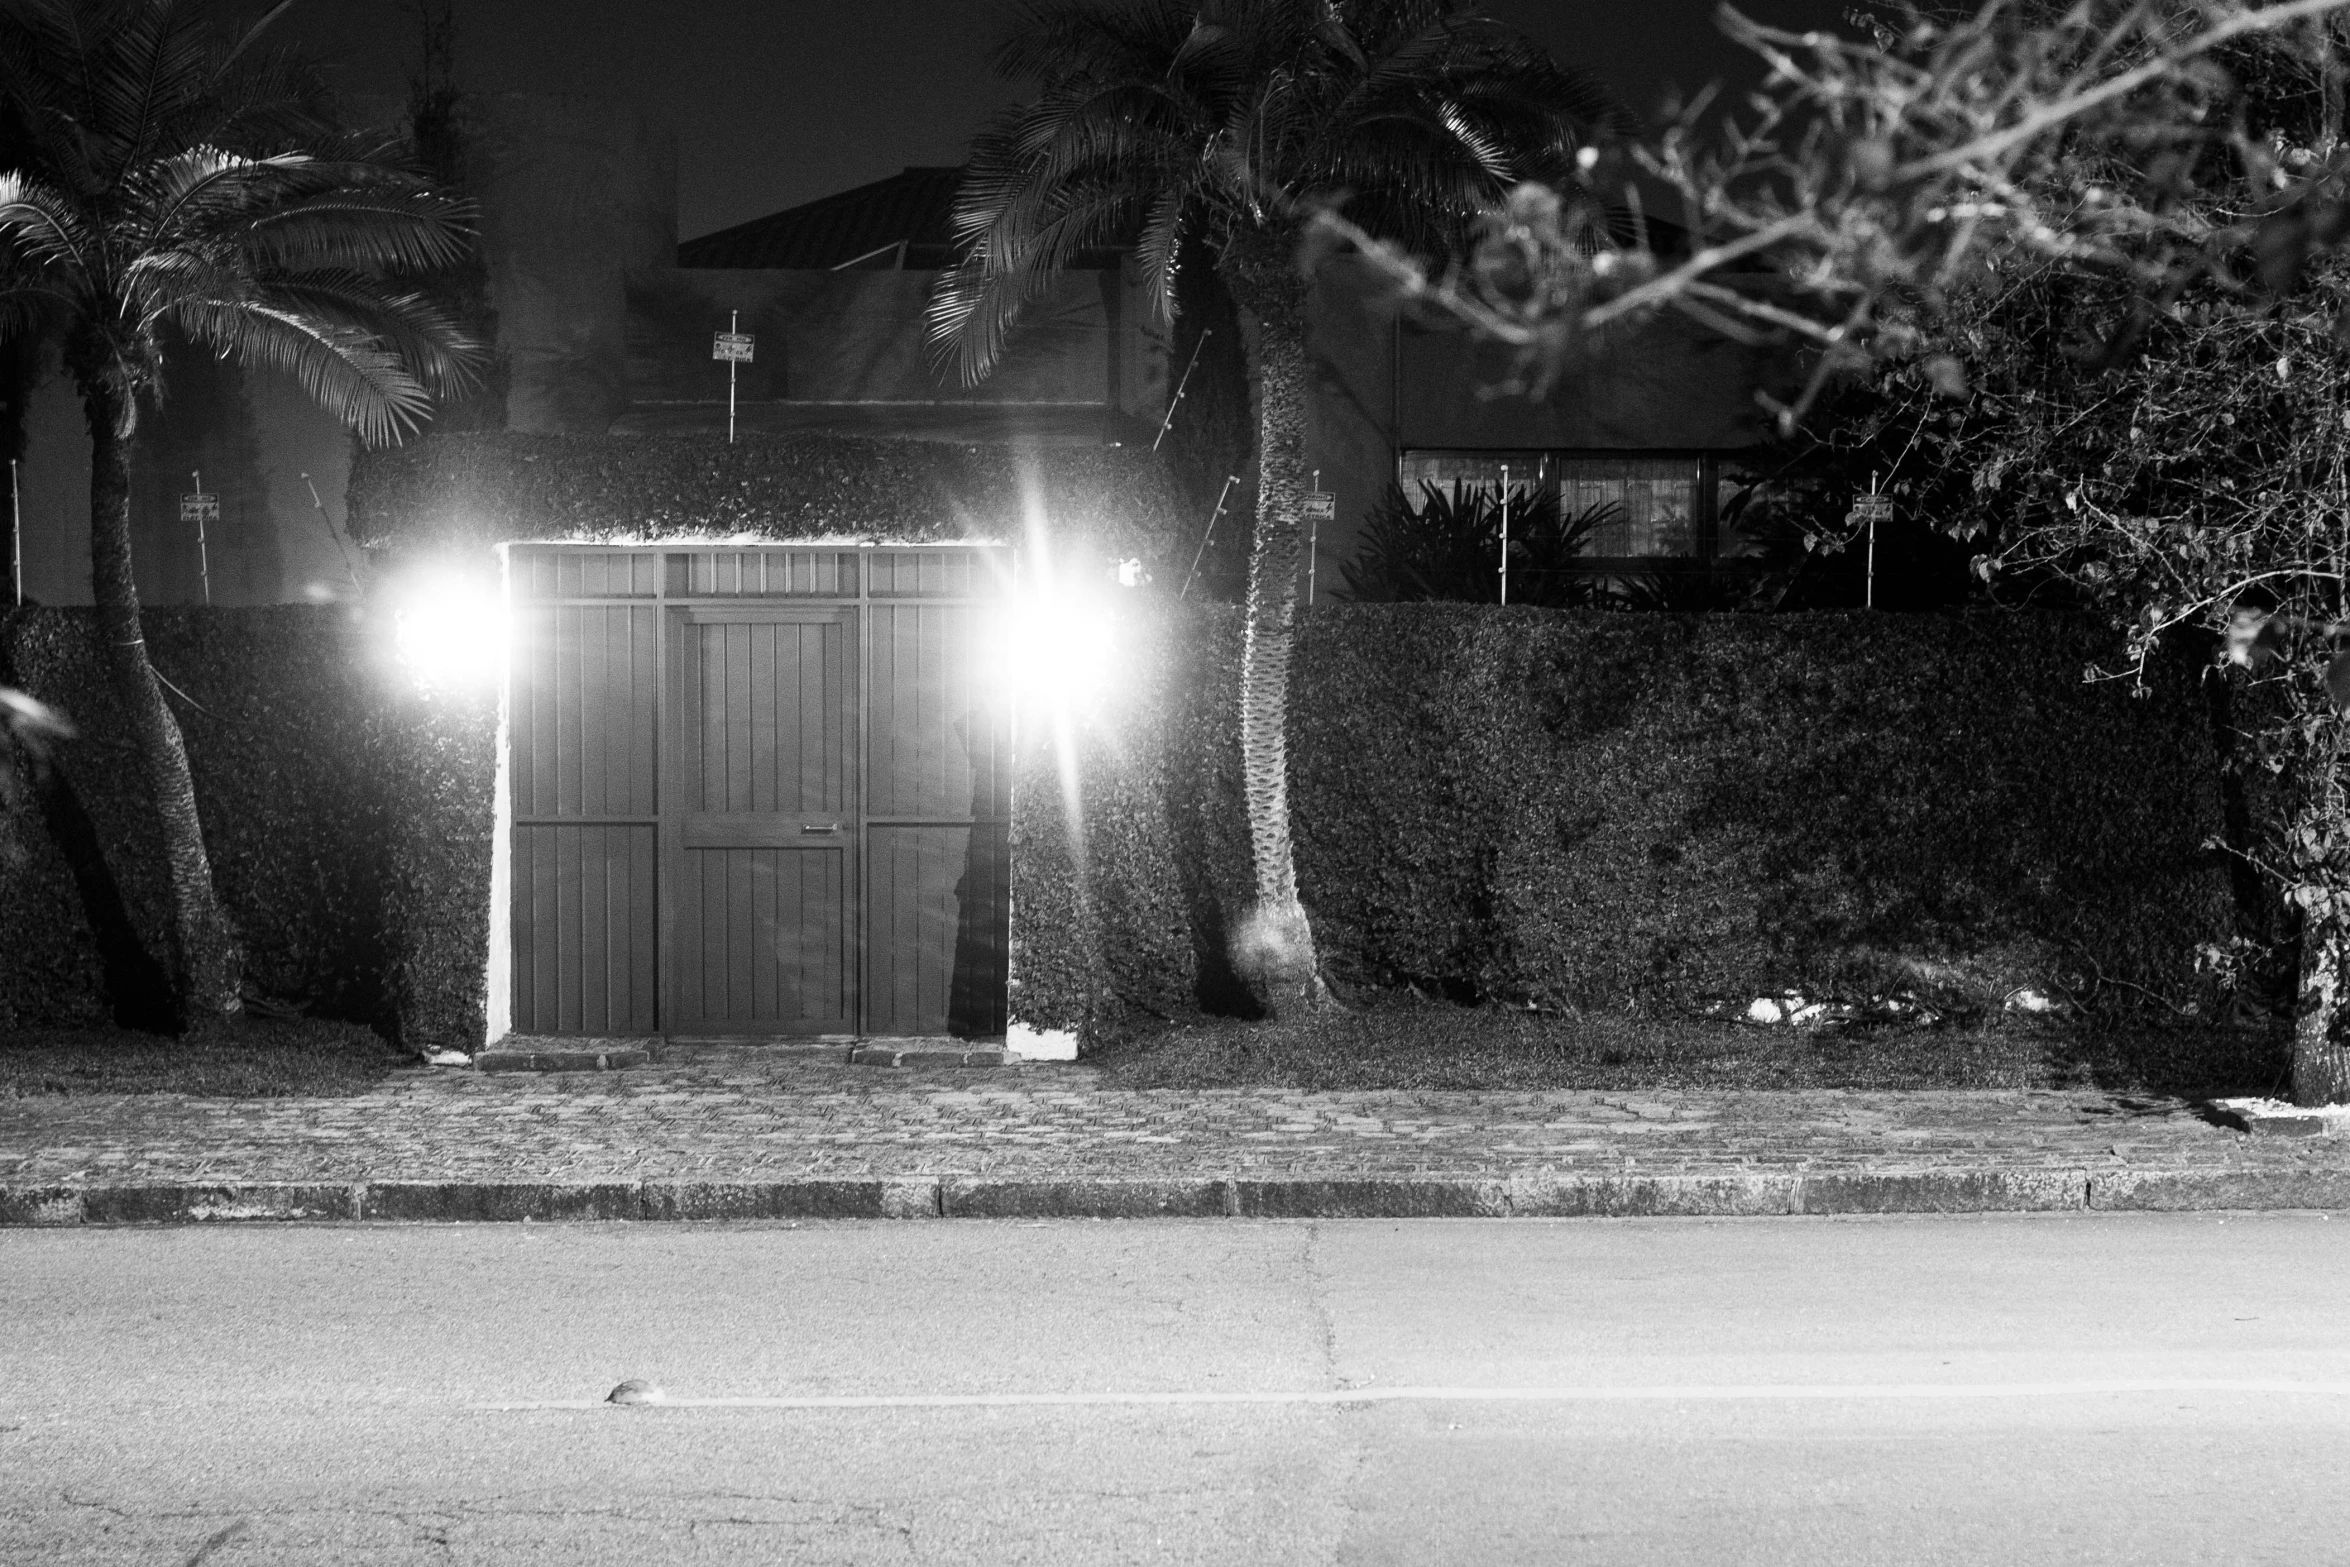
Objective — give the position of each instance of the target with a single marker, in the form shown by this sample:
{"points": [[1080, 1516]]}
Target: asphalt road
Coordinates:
{"points": [[2012, 1389]]}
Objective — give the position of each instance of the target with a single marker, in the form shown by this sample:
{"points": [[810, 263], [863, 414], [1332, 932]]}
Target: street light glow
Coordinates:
{"points": [[449, 628], [1057, 646]]}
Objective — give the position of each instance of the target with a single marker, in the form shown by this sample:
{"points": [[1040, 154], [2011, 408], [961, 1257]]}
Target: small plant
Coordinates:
{"points": [[1449, 548]]}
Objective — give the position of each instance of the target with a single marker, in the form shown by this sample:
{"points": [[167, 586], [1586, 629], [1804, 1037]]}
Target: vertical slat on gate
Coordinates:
{"points": [[934, 879], [913, 880], [738, 716], [768, 910], [587, 686], [644, 941], [594, 920], [564, 694], [822, 703], [742, 928], [584, 762], [759, 703], [644, 664], [930, 712], [542, 719]]}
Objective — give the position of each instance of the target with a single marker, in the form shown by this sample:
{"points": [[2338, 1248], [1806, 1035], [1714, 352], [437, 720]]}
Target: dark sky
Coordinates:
{"points": [[776, 102]]}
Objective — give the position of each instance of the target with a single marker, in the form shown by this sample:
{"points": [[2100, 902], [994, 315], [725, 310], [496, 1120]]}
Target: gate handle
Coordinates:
{"points": [[810, 830]]}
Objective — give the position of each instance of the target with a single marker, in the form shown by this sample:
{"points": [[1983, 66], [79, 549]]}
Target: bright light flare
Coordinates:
{"points": [[1056, 646], [449, 628]]}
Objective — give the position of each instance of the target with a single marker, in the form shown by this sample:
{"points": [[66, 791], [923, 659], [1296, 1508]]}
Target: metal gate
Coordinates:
{"points": [[756, 792]]}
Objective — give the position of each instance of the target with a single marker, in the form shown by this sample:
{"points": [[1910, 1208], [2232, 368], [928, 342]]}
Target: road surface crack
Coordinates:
{"points": [[1325, 1325]]}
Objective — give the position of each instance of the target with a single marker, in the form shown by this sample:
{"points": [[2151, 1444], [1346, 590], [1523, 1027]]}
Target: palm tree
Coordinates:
{"points": [[1225, 118], [158, 197]]}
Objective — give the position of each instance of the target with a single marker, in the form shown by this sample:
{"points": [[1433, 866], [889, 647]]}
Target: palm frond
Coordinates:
{"points": [[271, 100], [974, 307], [252, 34], [1119, 126], [42, 228], [1153, 118], [1086, 38], [427, 340], [30, 310], [156, 71], [349, 373], [1157, 252], [172, 194], [415, 229]]}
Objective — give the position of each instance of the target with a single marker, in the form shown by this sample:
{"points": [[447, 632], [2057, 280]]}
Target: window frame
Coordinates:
{"points": [[1705, 519]]}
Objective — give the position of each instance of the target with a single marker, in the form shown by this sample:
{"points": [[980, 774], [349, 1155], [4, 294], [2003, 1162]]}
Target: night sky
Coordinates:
{"points": [[776, 102]]}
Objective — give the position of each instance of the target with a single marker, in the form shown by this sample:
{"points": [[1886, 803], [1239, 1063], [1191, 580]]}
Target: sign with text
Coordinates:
{"points": [[1321, 506], [199, 507], [732, 346], [1870, 508]]}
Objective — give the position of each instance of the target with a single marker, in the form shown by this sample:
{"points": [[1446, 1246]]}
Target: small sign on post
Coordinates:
{"points": [[1867, 511], [1321, 506], [735, 349], [201, 507]]}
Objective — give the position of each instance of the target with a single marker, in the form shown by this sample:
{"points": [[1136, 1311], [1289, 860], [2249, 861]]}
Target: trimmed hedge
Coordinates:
{"points": [[346, 818], [1580, 810], [489, 488], [1160, 832]]}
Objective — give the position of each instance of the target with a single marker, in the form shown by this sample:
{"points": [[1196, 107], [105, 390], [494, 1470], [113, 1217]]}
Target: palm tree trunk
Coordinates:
{"points": [[1274, 944], [207, 965]]}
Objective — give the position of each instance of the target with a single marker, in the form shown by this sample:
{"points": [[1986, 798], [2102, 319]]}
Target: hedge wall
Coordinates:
{"points": [[1159, 829], [347, 821], [488, 488], [1595, 810], [1513, 806]]}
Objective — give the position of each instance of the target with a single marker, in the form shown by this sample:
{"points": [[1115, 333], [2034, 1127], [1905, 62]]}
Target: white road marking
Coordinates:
{"points": [[1697, 1393]]}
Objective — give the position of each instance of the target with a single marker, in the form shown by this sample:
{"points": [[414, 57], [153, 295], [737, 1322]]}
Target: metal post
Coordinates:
{"points": [[1505, 533], [329, 524], [1869, 593], [733, 326], [1229, 482], [1313, 544], [203, 553], [1204, 335], [15, 536]]}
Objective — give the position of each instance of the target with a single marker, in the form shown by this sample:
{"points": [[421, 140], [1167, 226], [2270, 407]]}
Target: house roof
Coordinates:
{"points": [[900, 223]]}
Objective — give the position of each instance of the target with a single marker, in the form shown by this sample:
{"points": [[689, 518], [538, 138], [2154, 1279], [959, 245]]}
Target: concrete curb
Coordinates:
{"points": [[1340, 1196]]}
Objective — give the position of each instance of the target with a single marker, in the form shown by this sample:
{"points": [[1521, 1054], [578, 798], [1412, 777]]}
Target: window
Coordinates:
{"points": [[1664, 501], [1445, 469]]}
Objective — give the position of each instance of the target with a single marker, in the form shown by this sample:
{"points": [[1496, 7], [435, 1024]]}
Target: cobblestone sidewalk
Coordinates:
{"points": [[720, 1133]]}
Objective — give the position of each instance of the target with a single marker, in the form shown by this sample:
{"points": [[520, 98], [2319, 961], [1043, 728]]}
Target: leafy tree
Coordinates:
{"points": [[2074, 263], [2199, 492], [162, 195], [1878, 179], [1224, 120]]}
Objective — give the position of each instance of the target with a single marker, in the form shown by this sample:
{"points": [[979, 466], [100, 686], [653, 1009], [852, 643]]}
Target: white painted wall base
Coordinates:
{"points": [[498, 1019], [1040, 1044]]}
